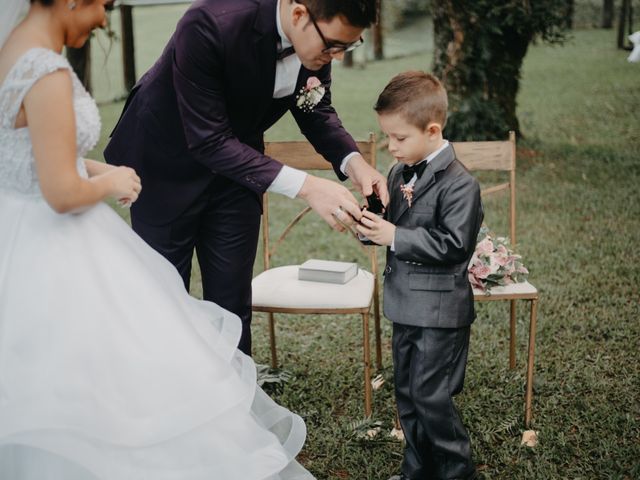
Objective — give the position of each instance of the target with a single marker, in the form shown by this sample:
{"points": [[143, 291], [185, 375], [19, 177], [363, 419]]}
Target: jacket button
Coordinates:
{"points": [[387, 270]]}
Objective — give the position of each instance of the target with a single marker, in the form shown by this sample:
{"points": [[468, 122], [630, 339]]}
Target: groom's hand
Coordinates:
{"points": [[367, 179], [333, 202]]}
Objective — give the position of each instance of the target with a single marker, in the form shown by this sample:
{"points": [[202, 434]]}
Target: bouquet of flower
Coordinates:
{"points": [[494, 263]]}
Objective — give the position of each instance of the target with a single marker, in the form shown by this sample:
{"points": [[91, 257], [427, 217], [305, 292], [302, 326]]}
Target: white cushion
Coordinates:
{"points": [[280, 287], [520, 289]]}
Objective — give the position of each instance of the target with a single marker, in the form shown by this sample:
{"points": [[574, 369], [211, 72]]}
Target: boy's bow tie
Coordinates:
{"points": [[409, 170], [284, 53]]}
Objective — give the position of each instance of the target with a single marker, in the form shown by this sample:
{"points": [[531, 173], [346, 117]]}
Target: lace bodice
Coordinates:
{"points": [[17, 165]]}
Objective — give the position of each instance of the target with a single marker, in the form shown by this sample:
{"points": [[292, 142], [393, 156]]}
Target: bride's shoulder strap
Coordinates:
{"points": [[28, 69]]}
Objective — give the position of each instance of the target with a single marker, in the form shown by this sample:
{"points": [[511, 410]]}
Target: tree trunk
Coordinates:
{"points": [[607, 14], [481, 72], [347, 61], [378, 43]]}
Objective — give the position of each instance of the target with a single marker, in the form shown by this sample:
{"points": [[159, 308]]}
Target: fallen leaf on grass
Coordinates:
{"points": [[529, 438], [377, 382], [372, 432], [397, 433]]}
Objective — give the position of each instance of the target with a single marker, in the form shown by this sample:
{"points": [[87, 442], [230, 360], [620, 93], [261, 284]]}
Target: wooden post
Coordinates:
{"points": [[378, 50], [625, 15], [607, 14], [128, 47]]}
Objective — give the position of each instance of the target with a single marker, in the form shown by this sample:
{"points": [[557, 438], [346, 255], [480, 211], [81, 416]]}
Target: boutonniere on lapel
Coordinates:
{"points": [[407, 192], [310, 95], [410, 175]]}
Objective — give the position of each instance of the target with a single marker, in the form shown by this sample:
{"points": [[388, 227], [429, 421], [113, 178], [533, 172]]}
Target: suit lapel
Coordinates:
{"points": [[265, 47], [422, 185]]}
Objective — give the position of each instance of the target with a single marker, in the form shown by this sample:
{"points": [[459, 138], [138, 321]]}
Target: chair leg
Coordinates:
{"points": [[367, 364], [530, 360], [272, 340], [512, 335], [396, 420], [376, 319]]}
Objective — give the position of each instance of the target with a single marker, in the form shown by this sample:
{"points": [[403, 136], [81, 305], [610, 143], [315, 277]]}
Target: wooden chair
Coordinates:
{"points": [[278, 290], [500, 156]]}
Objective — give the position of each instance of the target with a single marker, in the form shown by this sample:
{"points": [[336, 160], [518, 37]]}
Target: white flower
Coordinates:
{"points": [[377, 382], [310, 95]]}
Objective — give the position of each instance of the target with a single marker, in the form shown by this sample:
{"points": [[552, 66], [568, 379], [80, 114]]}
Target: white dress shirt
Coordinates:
{"points": [[289, 181]]}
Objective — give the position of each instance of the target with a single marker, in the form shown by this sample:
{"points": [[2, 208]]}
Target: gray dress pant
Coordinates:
{"points": [[429, 366]]}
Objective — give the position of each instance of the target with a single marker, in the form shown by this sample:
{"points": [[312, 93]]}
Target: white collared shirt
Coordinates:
{"points": [[289, 181]]}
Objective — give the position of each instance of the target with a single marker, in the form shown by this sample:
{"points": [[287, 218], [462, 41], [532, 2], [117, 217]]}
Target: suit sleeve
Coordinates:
{"points": [[453, 240], [323, 128], [198, 66]]}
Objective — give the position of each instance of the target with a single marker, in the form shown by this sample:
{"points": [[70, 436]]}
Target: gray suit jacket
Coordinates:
{"points": [[425, 279]]}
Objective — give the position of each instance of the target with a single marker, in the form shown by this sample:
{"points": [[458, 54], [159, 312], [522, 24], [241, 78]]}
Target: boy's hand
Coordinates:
{"points": [[376, 229]]}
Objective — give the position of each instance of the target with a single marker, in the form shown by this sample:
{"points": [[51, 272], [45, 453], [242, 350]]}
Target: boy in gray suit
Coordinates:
{"points": [[434, 216]]}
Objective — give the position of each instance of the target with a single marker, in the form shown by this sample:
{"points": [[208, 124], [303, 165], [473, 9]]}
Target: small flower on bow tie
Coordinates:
{"points": [[310, 95], [407, 192]]}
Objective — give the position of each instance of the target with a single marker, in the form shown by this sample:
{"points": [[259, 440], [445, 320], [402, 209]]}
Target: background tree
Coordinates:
{"points": [[479, 48], [607, 14]]}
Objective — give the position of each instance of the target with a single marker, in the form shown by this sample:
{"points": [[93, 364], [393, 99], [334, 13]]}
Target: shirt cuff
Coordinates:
{"points": [[345, 162], [288, 182]]}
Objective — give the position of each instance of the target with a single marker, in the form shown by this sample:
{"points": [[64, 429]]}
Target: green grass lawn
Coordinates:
{"points": [[578, 230]]}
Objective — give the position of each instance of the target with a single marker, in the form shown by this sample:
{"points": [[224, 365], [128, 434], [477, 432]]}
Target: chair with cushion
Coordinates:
{"points": [[500, 156], [278, 290]]}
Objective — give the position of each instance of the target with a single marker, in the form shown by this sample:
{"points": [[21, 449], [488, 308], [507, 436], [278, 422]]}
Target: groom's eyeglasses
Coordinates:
{"points": [[333, 48]]}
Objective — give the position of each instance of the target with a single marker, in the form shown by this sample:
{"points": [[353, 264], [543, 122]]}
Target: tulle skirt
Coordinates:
{"points": [[110, 370]]}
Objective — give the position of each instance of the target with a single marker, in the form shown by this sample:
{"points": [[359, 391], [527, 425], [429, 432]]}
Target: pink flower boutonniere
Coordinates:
{"points": [[407, 192], [310, 95]]}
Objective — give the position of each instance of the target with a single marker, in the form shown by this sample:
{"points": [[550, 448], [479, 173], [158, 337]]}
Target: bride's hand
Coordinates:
{"points": [[124, 185]]}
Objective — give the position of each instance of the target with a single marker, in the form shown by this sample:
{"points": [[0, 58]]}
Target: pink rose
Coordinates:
{"points": [[481, 271], [475, 282], [485, 247], [313, 82], [502, 260]]}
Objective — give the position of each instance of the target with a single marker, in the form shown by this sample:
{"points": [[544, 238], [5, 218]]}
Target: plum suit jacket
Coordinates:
{"points": [[204, 106]]}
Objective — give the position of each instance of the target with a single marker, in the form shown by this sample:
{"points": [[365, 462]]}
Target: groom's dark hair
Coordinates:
{"points": [[359, 13]]}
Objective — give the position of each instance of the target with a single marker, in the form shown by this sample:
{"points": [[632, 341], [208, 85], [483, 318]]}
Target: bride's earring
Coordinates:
{"points": [[72, 5]]}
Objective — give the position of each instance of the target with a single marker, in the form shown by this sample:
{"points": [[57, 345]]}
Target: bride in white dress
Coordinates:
{"points": [[108, 368]]}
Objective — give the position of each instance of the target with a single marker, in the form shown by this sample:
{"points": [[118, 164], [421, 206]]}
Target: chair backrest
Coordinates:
{"points": [[497, 156], [301, 155]]}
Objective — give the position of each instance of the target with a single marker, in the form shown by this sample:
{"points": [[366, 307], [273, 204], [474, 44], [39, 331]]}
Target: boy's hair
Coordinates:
{"points": [[359, 13], [418, 96]]}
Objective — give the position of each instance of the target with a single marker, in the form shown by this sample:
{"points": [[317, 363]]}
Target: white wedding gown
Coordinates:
{"points": [[108, 368]]}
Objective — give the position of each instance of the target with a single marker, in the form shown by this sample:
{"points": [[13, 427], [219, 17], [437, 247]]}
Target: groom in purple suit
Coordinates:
{"points": [[193, 128]]}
